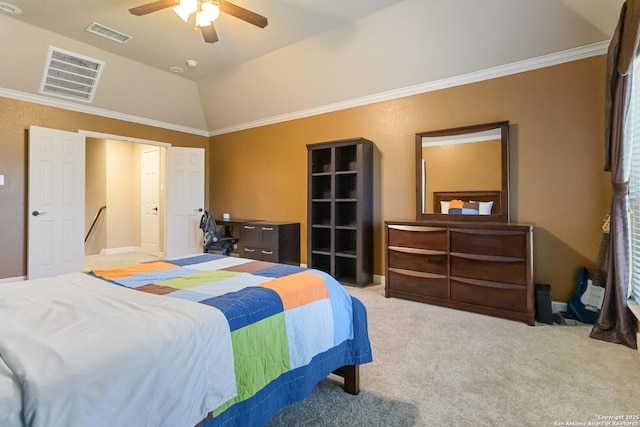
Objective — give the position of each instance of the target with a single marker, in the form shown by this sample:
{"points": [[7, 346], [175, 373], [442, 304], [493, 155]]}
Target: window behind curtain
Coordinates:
{"points": [[634, 182]]}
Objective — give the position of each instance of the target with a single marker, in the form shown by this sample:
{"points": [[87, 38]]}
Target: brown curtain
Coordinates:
{"points": [[616, 322]]}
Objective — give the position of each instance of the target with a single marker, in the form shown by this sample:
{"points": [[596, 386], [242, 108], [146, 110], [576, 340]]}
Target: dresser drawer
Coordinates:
{"points": [[269, 236], [496, 295], [417, 283], [505, 270], [252, 253], [269, 255], [252, 235], [426, 260], [489, 242], [421, 237]]}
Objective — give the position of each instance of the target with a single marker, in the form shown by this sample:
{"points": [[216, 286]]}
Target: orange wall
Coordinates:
{"points": [[557, 182], [15, 119]]}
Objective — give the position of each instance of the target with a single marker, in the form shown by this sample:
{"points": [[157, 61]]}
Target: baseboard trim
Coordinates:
{"points": [[557, 306], [123, 250], [13, 279]]}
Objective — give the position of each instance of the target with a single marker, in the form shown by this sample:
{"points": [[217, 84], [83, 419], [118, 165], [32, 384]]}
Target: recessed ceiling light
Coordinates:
{"points": [[9, 8], [176, 69]]}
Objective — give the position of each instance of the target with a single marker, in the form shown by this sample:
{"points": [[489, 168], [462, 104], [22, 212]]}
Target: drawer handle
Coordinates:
{"points": [[267, 252], [267, 228], [414, 228], [249, 250], [417, 251], [249, 227]]}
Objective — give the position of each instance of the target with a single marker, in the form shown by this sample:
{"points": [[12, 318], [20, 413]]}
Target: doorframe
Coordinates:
{"points": [[101, 135]]}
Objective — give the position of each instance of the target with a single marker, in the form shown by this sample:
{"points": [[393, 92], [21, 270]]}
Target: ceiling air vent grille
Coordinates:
{"points": [[69, 75], [108, 33]]}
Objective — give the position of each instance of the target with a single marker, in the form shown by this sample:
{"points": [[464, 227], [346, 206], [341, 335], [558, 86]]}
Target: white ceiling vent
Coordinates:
{"points": [[69, 75], [108, 33]]}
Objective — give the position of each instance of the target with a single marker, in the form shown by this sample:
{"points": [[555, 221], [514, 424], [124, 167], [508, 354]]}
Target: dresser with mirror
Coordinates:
{"points": [[462, 251]]}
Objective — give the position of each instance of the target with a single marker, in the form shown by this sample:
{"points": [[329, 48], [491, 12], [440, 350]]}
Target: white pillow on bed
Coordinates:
{"points": [[485, 208], [444, 207]]}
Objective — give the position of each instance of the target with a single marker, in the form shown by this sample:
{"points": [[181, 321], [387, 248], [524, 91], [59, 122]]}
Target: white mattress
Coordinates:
{"points": [[75, 348], [10, 400]]}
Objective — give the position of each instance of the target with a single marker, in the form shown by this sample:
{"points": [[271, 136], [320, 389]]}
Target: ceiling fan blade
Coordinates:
{"points": [[209, 33], [244, 14], [152, 7]]}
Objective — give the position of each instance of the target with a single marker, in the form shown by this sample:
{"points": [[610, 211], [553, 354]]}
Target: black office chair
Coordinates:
{"points": [[212, 240]]}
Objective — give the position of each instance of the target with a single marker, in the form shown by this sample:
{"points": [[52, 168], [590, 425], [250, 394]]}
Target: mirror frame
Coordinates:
{"points": [[503, 215]]}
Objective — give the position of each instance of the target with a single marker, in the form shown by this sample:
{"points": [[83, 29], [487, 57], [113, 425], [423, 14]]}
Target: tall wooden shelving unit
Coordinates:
{"points": [[340, 210]]}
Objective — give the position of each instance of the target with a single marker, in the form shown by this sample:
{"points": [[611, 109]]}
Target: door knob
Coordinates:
{"points": [[36, 213], [155, 209]]}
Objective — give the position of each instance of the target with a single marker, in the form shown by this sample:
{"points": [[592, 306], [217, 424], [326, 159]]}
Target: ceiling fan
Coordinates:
{"points": [[206, 11]]}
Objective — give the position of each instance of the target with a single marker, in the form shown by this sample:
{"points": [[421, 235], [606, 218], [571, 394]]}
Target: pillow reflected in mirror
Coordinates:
{"points": [[458, 207]]}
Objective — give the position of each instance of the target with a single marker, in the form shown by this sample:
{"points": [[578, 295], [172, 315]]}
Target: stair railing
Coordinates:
{"points": [[93, 224]]}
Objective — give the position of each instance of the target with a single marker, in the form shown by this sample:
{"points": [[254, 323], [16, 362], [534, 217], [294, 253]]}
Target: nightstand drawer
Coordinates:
{"points": [[412, 236]]}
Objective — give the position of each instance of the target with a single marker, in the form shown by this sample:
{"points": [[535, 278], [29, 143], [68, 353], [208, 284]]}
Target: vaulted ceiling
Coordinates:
{"points": [[312, 56]]}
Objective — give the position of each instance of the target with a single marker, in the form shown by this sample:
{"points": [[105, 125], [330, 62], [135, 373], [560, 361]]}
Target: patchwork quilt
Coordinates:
{"points": [[290, 326]]}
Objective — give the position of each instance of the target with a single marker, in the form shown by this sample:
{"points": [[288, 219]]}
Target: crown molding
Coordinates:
{"points": [[66, 105], [472, 77], [543, 61]]}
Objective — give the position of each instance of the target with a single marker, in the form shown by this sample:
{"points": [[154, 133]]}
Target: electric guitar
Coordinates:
{"points": [[586, 302]]}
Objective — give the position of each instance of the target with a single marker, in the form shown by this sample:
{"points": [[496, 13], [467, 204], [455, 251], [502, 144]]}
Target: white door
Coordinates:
{"points": [[185, 200], [56, 202], [150, 200]]}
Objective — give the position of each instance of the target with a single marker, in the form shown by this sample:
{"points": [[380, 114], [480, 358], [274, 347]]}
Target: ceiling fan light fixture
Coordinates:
{"points": [[182, 12], [201, 19], [190, 5], [210, 10]]}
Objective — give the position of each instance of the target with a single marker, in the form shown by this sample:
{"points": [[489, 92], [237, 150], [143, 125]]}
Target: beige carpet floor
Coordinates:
{"points": [[435, 366]]}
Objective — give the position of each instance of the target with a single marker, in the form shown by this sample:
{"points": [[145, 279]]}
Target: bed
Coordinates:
{"points": [[207, 340]]}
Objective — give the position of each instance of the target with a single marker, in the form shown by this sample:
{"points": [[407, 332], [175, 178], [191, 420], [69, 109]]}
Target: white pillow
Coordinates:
{"points": [[485, 208], [444, 207]]}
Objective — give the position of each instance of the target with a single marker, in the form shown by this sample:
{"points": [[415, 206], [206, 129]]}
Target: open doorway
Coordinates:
{"points": [[64, 178], [128, 178]]}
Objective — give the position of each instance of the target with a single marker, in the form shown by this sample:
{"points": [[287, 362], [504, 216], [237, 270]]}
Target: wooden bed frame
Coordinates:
{"points": [[465, 196], [351, 376]]}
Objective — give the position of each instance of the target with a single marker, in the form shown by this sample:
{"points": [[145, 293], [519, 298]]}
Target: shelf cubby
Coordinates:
{"points": [[346, 241], [346, 270], [321, 187], [321, 161], [346, 158], [321, 238], [346, 213], [321, 212], [347, 186]]}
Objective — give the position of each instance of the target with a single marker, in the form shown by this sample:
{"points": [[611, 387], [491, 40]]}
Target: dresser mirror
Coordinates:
{"points": [[462, 174]]}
